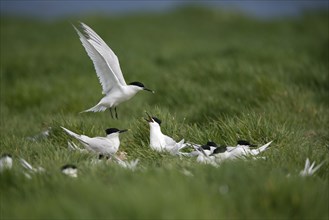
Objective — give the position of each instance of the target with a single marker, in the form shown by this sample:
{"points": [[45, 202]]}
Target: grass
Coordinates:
{"points": [[217, 76]]}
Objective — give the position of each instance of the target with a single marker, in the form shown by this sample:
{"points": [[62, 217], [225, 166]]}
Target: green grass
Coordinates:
{"points": [[217, 76]]}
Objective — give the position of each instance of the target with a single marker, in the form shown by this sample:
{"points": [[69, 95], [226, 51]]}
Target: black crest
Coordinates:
{"points": [[139, 84], [243, 142], [220, 149], [68, 166], [6, 155], [157, 120], [205, 147], [111, 130], [211, 144]]}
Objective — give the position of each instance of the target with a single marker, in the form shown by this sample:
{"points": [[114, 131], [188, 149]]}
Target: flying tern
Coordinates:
{"points": [[6, 162], [108, 145], [161, 142], [108, 70]]}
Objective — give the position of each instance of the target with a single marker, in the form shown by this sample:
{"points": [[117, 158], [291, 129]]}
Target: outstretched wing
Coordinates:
{"points": [[104, 71], [102, 48]]}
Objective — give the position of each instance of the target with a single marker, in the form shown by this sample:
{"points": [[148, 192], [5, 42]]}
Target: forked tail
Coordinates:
{"points": [[71, 133], [261, 149], [96, 108]]}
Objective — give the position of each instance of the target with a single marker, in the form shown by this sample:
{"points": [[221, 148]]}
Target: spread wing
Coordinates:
{"points": [[104, 71], [110, 57]]}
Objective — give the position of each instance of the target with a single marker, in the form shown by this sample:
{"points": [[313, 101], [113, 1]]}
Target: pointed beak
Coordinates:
{"points": [[124, 130], [200, 149], [149, 119], [149, 90]]}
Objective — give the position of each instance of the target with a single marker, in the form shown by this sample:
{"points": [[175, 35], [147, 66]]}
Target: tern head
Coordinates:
{"points": [[219, 150], [5, 156], [211, 144], [70, 170], [245, 143], [140, 86], [205, 147], [6, 161], [152, 120], [111, 131]]}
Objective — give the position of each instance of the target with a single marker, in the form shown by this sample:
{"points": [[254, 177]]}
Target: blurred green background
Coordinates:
{"points": [[218, 76]]}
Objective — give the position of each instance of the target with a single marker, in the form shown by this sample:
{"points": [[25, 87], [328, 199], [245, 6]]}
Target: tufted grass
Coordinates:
{"points": [[217, 76]]}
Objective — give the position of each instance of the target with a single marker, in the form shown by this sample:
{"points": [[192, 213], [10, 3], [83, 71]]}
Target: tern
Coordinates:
{"points": [[205, 153], [108, 70], [161, 142], [6, 162], [70, 170], [309, 168], [108, 145], [241, 150], [211, 153]]}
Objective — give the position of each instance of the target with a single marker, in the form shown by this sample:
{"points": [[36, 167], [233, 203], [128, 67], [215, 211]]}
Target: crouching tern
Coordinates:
{"points": [[242, 150], [108, 70], [161, 142], [6, 162], [108, 145], [70, 170], [212, 154]]}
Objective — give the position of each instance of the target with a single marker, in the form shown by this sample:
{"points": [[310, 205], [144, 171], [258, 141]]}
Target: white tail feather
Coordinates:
{"points": [[260, 149], [71, 133], [96, 108]]}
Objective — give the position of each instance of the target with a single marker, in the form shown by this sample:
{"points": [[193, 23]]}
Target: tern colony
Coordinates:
{"points": [[115, 91]]}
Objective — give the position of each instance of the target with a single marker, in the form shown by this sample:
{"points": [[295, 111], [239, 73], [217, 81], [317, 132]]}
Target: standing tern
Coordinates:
{"points": [[108, 70], [161, 142], [108, 145]]}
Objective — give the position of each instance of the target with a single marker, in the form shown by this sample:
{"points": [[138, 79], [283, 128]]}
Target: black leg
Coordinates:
{"points": [[111, 112], [116, 114]]}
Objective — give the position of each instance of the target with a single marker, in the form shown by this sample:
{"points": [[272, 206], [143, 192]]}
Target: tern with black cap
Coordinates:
{"points": [[161, 142], [108, 70], [108, 145], [70, 170], [6, 162]]}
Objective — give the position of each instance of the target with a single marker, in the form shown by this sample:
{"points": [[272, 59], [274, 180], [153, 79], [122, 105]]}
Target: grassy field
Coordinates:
{"points": [[218, 76]]}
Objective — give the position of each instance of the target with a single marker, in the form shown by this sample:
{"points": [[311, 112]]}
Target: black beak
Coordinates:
{"points": [[124, 130], [149, 90], [149, 119], [200, 149]]}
